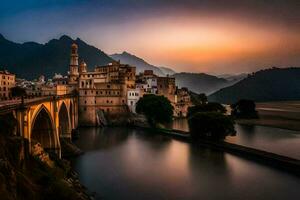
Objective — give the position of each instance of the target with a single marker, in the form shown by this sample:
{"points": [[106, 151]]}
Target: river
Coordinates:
{"points": [[125, 163], [280, 141]]}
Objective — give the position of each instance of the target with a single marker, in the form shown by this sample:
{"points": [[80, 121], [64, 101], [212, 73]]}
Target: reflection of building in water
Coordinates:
{"points": [[7, 81]]}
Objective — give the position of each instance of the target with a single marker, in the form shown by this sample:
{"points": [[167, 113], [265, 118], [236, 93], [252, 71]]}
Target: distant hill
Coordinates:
{"points": [[233, 77], [266, 85], [30, 60], [167, 71], [200, 82], [139, 63]]}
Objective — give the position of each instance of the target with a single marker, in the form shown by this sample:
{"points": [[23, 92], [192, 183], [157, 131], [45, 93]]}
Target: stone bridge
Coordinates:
{"points": [[45, 120]]}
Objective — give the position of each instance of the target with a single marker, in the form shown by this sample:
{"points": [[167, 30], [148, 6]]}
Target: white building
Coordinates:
{"points": [[133, 95]]}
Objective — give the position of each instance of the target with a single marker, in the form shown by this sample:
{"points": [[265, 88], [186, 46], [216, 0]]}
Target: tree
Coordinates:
{"points": [[157, 109], [203, 98], [244, 109], [209, 107], [211, 125], [18, 91]]}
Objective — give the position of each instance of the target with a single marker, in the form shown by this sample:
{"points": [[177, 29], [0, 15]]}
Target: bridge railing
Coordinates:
{"points": [[6, 106]]}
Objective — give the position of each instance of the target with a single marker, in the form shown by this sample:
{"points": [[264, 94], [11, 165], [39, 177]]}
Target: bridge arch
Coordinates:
{"points": [[43, 130], [71, 111], [64, 121]]}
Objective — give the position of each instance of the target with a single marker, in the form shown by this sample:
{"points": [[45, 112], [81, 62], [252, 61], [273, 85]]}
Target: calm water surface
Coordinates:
{"points": [[276, 140], [123, 163]]}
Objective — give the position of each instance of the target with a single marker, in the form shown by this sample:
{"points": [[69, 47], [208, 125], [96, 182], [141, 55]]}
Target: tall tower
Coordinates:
{"points": [[74, 64], [82, 67]]}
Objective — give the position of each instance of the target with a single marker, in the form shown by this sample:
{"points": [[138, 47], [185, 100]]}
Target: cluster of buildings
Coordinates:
{"points": [[114, 88], [7, 81]]}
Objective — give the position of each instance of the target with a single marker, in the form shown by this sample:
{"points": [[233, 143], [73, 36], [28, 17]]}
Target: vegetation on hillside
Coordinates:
{"points": [[265, 85]]}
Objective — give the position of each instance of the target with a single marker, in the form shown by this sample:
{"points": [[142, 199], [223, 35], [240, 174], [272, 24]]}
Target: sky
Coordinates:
{"points": [[212, 36]]}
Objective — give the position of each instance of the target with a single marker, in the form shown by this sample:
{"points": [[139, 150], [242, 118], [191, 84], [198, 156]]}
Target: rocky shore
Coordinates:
{"points": [[39, 175]]}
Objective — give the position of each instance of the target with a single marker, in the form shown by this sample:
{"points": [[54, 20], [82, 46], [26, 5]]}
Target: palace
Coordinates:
{"points": [[102, 90], [110, 90], [115, 89]]}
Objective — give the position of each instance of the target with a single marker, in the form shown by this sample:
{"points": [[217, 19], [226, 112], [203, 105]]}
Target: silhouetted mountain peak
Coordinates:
{"points": [[2, 37], [139, 63], [65, 38], [30, 60]]}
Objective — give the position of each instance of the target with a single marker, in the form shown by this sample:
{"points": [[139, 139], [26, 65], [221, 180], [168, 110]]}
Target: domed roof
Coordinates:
{"points": [[74, 46], [83, 63]]}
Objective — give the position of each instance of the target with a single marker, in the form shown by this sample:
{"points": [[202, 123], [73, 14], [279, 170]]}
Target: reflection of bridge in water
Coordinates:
{"points": [[44, 120]]}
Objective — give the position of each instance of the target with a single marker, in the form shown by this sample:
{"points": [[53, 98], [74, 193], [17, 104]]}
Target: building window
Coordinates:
{"points": [[85, 92], [85, 102]]}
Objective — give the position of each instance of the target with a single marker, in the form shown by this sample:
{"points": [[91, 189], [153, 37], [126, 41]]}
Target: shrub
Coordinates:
{"points": [[211, 125], [157, 109], [244, 109], [209, 107]]}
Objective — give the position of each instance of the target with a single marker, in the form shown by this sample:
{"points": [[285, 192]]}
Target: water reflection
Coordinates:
{"points": [[122, 163], [280, 141]]}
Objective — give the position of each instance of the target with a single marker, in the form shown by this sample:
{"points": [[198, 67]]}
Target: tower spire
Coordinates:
{"points": [[74, 63]]}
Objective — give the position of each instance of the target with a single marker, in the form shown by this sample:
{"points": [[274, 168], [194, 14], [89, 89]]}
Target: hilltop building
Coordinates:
{"points": [[114, 89], [102, 90], [7, 81]]}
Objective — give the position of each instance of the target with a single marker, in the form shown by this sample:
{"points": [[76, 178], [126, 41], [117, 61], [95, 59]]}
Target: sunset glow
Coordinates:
{"points": [[200, 37]]}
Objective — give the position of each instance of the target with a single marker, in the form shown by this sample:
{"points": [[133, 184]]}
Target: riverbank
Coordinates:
{"points": [[38, 175], [278, 161], [285, 115]]}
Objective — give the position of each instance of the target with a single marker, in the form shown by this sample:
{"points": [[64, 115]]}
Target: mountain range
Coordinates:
{"points": [[30, 59], [201, 82], [196, 82], [141, 64], [275, 84]]}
